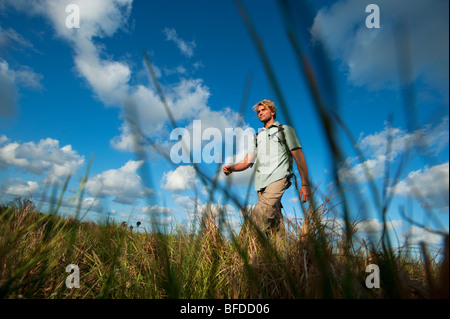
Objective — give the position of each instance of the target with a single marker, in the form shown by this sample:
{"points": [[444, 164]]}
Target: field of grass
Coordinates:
{"points": [[213, 261], [116, 261]]}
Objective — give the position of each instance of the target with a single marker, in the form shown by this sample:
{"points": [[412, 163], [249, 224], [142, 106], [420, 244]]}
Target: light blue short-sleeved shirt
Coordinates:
{"points": [[272, 158]]}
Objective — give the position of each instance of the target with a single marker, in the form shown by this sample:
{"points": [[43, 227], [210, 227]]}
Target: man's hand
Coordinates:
{"points": [[241, 166], [227, 170], [305, 193]]}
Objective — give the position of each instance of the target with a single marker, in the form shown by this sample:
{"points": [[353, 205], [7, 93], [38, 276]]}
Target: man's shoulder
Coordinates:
{"points": [[291, 137], [285, 127]]}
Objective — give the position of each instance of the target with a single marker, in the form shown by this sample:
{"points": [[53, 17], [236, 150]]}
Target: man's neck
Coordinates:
{"points": [[269, 123]]}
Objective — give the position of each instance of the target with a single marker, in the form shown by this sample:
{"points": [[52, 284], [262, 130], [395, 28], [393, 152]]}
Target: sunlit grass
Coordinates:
{"points": [[116, 262], [216, 259]]}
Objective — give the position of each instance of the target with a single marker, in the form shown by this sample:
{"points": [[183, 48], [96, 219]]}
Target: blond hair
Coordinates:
{"points": [[267, 103]]}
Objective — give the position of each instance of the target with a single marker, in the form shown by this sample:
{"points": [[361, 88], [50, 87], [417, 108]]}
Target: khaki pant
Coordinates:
{"points": [[267, 212]]}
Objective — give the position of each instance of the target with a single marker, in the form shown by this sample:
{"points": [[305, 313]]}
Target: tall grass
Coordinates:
{"points": [[116, 261], [315, 259]]}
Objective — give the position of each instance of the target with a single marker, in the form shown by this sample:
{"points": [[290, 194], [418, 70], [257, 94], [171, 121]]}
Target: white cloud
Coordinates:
{"points": [[100, 18], [415, 235], [10, 80], [44, 157], [375, 227], [10, 39], [188, 203], [163, 221], [109, 79], [187, 101], [178, 70], [369, 56], [87, 203], [8, 91], [429, 185], [18, 187], [361, 172], [187, 48], [229, 210], [156, 210], [429, 140], [127, 141], [92, 204], [26, 77], [155, 215], [182, 178], [124, 184], [238, 179], [3, 139], [188, 97]]}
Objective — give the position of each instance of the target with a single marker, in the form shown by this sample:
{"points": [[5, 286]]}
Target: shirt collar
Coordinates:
{"points": [[275, 124]]}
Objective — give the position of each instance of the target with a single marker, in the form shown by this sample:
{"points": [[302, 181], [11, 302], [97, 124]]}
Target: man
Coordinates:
{"points": [[274, 145]]}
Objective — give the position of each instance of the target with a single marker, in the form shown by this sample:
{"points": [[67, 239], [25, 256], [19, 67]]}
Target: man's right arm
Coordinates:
{"points": [[241, 166]]}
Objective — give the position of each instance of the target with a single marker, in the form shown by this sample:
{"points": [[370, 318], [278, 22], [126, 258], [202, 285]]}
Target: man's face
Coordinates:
{"points": [[264, 113]]}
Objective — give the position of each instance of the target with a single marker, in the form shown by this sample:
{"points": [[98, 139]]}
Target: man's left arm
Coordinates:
{"points": [[305, 191]]}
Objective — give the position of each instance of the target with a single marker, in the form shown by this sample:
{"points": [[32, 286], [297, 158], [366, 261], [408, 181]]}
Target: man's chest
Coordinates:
{"points": [[269, 142]]}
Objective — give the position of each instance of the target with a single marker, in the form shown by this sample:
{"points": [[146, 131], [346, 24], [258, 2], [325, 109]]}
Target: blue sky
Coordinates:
{"points": [[64, 94]]}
